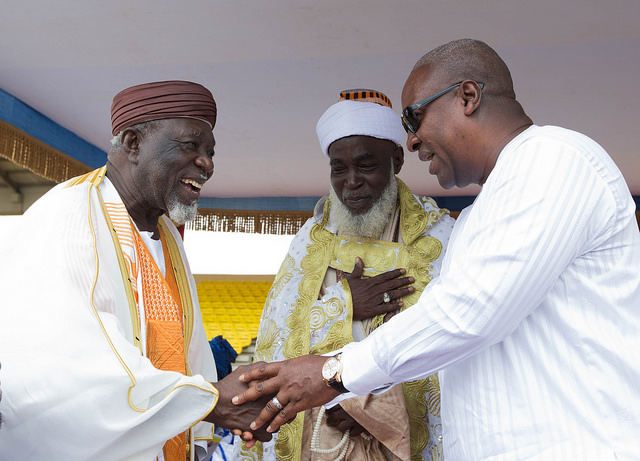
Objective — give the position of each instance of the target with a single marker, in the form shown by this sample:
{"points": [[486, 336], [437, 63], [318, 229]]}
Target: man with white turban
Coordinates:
{"points": [[368, 252], [104, 355]]}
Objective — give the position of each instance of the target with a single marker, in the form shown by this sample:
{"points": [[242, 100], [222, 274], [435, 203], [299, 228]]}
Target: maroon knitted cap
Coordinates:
{"points": [[158, 100]]}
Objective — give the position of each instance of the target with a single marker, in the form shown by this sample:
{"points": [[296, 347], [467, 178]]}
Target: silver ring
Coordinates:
{"points": [[276, 403], [386, 298]]}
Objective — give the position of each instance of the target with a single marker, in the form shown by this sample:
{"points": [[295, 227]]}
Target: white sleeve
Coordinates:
{"points": [[72, 377], [536, 213]]}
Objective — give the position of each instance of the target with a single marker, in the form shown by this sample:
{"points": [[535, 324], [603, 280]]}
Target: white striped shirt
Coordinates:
{"points": [[535, 319]]}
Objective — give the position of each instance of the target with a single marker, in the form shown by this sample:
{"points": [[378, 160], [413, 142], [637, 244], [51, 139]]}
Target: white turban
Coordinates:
{"points": [[349, 118]]}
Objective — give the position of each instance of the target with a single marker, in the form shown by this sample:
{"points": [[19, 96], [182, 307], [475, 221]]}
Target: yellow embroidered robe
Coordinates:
{"points": [[295, 322]]}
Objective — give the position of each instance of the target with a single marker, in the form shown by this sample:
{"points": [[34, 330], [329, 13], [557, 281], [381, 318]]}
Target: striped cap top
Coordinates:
{"points": [[364, 95]]}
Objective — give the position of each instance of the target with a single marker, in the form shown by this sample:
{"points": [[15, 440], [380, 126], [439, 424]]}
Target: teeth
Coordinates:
{"points": [[193, 183]]}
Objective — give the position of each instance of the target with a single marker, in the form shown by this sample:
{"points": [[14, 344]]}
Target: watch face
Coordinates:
{"points": [[330, 368]]}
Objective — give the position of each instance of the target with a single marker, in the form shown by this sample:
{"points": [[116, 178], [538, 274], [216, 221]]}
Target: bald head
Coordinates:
{"points": [[462, 131], [469, 59]]}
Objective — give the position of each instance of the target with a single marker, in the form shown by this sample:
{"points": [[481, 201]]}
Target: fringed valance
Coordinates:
{"points": [[50, 163], [250, 221], [36, 156]]}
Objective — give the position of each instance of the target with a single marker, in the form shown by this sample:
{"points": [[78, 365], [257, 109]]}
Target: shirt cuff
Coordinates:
{"points": [[361, 374], [338, 399]]}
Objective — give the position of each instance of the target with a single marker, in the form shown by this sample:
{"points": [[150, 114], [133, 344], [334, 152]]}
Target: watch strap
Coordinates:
{"points": [[337, 385]]}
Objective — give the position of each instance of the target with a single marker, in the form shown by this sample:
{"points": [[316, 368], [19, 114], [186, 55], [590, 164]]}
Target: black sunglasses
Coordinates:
{"points": [[410, 120]]}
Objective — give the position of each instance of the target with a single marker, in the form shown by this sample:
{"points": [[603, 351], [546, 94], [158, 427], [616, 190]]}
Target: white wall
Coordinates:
{"points": [[235, 253], [222, 252]]}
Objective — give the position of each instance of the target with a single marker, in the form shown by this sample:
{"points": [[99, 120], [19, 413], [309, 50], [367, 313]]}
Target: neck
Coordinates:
{"points": [[500, 144], [140, 215]]}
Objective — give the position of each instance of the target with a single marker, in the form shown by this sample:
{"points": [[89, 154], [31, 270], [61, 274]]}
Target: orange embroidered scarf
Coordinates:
{"points": [[165, 346]]}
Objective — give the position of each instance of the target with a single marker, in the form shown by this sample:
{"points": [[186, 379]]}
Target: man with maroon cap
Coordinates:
{"points": [[104, 353]]}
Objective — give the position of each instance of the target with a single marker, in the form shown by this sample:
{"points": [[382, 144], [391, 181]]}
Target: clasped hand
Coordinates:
{"points": [[339, 418], [238, 418], [297, 383]]}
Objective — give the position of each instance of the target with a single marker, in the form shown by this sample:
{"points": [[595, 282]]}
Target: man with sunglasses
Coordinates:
{"points": [[534, 322]]}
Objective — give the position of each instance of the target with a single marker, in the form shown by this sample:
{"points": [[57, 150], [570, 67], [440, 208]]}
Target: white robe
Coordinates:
{"points": [[535, 318], [74, 384]]}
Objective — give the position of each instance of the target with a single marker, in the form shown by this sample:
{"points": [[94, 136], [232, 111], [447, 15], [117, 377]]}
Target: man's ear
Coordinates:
{"points": [[472, 96], [398, 159], [131, 144]]}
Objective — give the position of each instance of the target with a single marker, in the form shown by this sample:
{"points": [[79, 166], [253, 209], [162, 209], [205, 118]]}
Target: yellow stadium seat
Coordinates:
{"points": [[232, 308]]}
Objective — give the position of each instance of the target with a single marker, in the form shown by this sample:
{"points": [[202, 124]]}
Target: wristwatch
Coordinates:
{"points": [[332, 373]]}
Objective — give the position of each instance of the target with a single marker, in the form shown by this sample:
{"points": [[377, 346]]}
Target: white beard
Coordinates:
{"points": [[370, 224], [180, 213]]}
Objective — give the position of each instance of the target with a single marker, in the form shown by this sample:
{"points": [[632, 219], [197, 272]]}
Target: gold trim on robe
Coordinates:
{"points": [[319, 326]]}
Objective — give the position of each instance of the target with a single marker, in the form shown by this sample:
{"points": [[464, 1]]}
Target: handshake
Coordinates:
{"points": [[255, 400]]}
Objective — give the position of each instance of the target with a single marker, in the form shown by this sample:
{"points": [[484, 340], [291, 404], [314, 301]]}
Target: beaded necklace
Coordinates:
{"points": [[315, 443]]}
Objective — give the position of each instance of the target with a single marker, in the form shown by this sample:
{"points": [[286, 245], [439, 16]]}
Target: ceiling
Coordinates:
{"points": [[275, 66]]}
